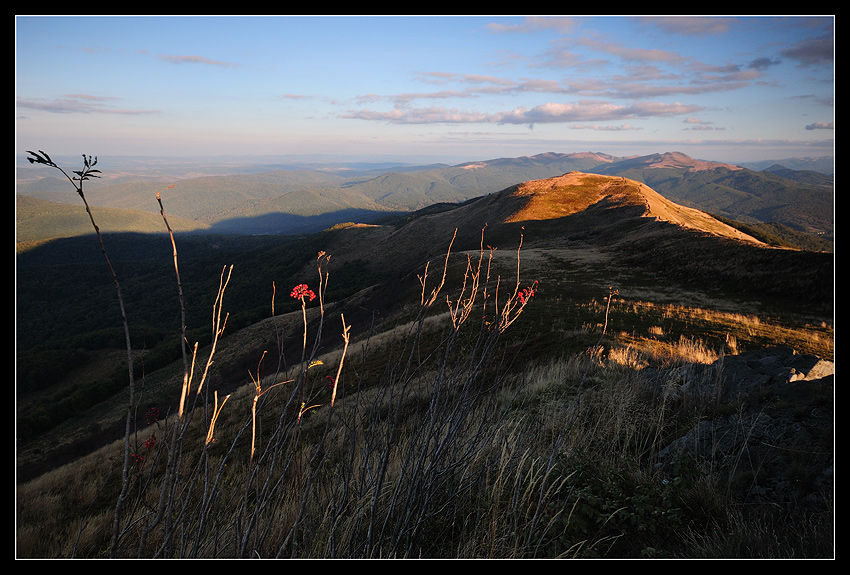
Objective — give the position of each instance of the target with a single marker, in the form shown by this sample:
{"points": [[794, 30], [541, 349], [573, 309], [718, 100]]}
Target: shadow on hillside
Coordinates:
{"points": [[272, 224], [292, 224]]}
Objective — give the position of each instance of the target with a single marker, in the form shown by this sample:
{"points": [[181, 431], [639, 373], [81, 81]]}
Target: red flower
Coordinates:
{"points": [[301, 291]]}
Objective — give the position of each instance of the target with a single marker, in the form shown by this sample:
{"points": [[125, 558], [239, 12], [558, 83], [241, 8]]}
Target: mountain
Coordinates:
{"points": [[823, 165], [625, 223], [295, 201], [668, 160], [734, 192], [619, 221], [576, 192], [802, 176], [576, 204]]}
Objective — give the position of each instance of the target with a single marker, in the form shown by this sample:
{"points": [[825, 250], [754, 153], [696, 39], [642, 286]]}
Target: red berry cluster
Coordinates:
{"points": [[150, 442], [152, 415], [138, 458], [301, 291], [527, 293]]}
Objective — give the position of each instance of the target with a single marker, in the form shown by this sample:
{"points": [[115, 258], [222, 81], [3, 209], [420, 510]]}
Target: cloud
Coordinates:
{"points": [[191, 59], [548, 113], [763, 63], [640, 90], [690, 25], [598, 128], [592, 110], [631, 54], [640, 82], [486, 84], [813, 51], [429, 115], [821, 126], [697, 125], [78, 104], [562, 24], [648, 73], [441, 95]]}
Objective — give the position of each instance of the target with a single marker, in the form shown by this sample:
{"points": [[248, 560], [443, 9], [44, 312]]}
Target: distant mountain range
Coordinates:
{"points": [[824, 165], [298, 201]]}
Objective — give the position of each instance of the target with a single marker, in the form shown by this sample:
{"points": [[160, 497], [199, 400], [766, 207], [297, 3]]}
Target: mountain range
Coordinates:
{"points": [[307, 200]]}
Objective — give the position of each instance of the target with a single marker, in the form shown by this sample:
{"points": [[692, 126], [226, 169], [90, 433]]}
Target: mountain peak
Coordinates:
{"points": [[679, 160], [575, 192]]}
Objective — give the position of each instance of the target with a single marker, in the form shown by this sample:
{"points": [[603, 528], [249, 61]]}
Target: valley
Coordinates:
{"points": [[307, 199]]}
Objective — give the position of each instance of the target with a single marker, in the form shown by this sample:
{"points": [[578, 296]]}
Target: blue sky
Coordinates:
{"points": [[734, 89]]}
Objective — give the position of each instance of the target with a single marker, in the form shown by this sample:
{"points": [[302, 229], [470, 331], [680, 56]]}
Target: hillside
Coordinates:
{"points": [[802, 176], [822, 165], [632, 235], [788, 197], [573, 209], [42, 220], [576, 192], [689, 288]]}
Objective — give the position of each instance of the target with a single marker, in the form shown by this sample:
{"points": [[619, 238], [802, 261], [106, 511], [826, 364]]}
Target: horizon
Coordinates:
{"points": [[439, 89], [143, 163]]}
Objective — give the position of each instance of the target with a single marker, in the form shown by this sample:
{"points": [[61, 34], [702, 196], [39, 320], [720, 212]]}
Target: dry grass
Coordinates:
{"points": [[662, 332], [503, 490], [367, 475]]}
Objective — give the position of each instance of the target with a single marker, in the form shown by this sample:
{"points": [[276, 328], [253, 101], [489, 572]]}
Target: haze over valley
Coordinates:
{"points": [[299, 198]]}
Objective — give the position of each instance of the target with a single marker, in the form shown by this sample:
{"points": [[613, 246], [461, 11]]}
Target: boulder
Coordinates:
{"points": [[763, 425]]}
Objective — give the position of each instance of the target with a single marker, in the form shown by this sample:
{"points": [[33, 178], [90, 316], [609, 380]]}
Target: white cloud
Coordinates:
{"points": [[550, 112]]}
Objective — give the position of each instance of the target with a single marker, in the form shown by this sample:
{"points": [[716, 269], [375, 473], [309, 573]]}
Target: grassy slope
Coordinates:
{"points": [[563, 321], [573, 259], [746, 195]]}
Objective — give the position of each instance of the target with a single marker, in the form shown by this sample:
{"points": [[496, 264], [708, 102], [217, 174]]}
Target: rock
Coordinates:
{"points": [[777, 447]]}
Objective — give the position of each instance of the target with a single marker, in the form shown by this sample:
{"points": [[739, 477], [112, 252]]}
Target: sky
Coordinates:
{"points": [[452, 88]]}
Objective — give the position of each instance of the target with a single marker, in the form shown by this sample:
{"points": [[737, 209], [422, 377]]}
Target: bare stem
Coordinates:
{"points": [[86, 173], [345, 330], [183, 342]]}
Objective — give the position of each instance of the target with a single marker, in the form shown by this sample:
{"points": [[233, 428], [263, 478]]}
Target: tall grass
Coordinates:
{"points": [[312, 471], [369, 474]]}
